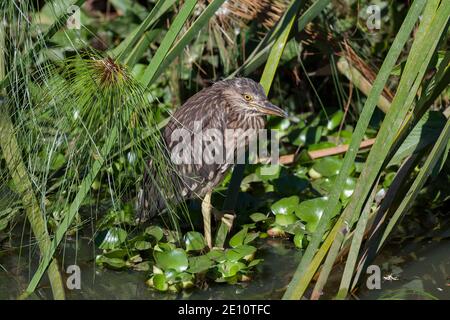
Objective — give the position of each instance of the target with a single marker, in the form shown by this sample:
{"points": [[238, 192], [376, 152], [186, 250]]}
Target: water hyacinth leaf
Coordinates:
{"points": [[285, 205], [270, 172], [309, 135], [258, 217], [345, 136], [310, 211], [335, 120], [113, 263], [159, 282], [165, 246], [285, 219], [155, 231], [255, 262], [113, 238], [238, 253], [280, 124], [230, 268], [143, 266], [296, 227], [216, 255], [323, 185], [238, 238], [175, 259], [199, 264], [298, 240], [142, 245], [327, 167], [116, 253], [250, 237], [194, 241]]}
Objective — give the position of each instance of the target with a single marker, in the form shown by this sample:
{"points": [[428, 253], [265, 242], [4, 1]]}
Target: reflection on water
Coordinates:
{"points": [[422, 270]]}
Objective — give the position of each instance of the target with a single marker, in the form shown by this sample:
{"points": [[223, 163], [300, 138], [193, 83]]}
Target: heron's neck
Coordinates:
{"points": [[245, 121]]}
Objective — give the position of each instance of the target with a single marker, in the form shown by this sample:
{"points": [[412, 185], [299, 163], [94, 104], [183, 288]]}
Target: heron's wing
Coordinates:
{"points": [[196, 131]]}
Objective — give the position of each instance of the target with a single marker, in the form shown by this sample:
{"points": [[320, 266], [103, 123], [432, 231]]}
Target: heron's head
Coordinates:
{"points": [[247, 96]]}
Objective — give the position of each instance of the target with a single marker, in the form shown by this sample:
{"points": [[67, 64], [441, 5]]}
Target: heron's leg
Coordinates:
{"points": [[206, 212]]}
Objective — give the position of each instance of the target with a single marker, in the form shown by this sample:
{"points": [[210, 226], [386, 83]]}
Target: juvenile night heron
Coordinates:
{"points": [[225, 109]]}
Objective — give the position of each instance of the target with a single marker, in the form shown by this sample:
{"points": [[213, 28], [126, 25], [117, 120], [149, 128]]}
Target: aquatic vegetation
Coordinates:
{"points": [[82, 103]]}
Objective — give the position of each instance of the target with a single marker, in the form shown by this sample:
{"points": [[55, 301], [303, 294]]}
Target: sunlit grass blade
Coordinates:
{"points": [[184, 40], [306, 269], [150, 72], [286, 25], [356, 243]]}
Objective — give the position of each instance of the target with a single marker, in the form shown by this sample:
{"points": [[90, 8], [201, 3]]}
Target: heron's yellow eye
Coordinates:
{"points": [[248, 97]]}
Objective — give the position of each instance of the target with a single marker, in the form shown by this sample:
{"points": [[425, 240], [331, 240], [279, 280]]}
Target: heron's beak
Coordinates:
{"points": [[271, 109]]}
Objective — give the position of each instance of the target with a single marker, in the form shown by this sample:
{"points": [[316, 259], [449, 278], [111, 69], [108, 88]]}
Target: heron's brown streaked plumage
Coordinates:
{"points": [[221, 106]]}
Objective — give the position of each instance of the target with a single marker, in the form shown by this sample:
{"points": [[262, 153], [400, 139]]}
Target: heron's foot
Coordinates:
{"points": [[227, 217]]}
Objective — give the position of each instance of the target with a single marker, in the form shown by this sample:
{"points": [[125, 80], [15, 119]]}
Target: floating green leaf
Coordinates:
{"points": [[175, 259], [155, 231], [238, 238], [311, 211], [238, 253], [285, 205], [159, 282], [142, 245], [335, 120], [327, 167], [230, 268], [298, 240], [285, 219], [199, 264], [113, 238], [194, 241], [258, 217]]}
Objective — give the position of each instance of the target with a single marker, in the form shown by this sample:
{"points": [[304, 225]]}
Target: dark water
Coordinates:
{"points": [[416, 269]]}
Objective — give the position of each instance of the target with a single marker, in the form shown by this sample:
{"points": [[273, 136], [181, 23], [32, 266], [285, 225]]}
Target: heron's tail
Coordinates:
{"points": [[153, 198]]}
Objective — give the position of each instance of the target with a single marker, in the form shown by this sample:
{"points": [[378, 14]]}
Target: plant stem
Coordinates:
{"points": [[353, 74]]}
